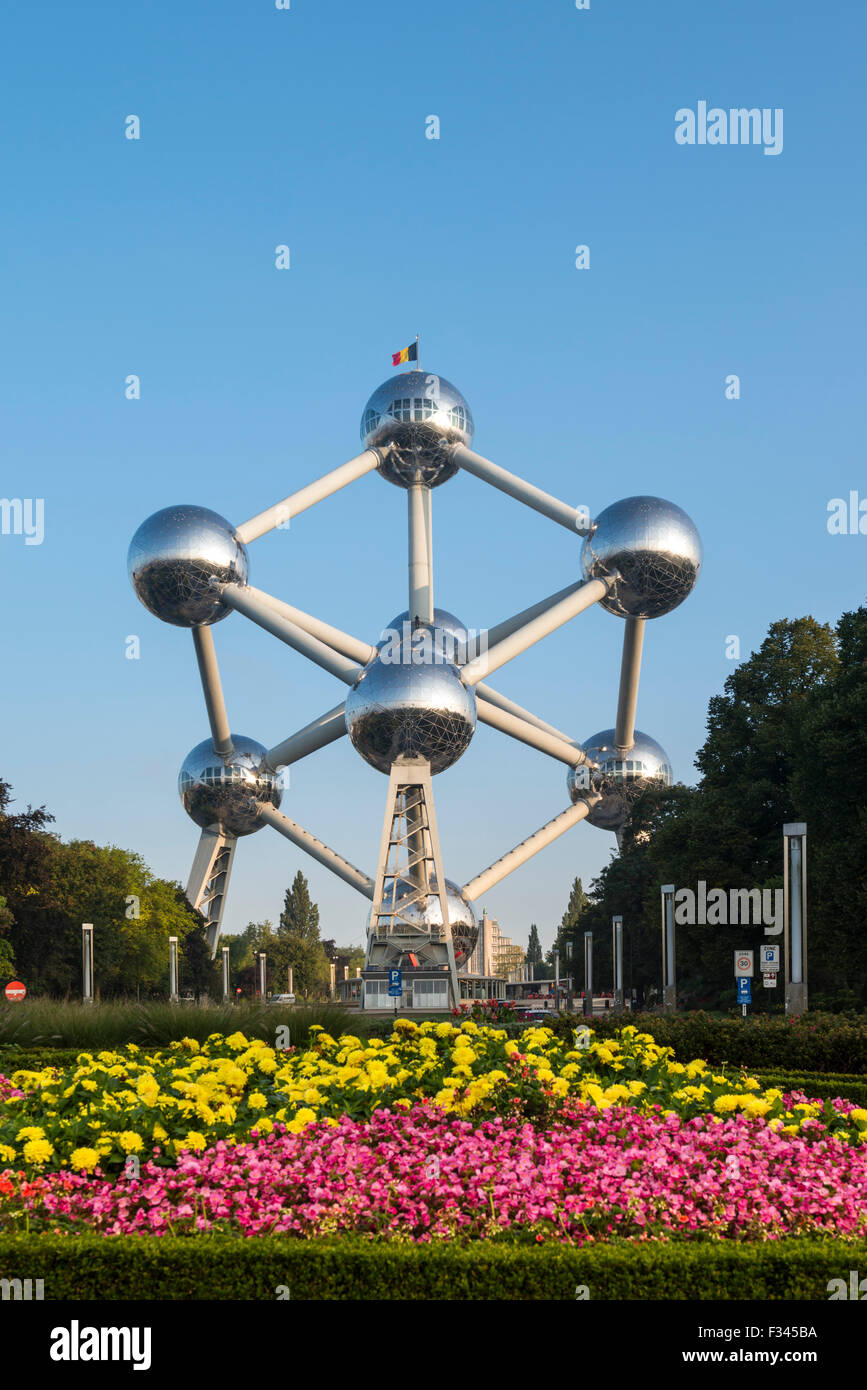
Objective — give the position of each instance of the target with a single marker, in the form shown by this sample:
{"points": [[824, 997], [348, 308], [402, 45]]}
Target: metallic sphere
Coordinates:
{"points": [[620, 780], [399, 709], [174, 555], [462, 917], [448, 635], [219, 791], [656, 549], [414, 419]]}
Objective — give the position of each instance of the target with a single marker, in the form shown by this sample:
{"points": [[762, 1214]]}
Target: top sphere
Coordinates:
{"points": [[414, 419], [656, 549], [174, 555]]}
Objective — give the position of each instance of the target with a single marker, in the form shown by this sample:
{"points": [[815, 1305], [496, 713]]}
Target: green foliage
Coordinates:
{"points": [[231, 1268], [46, 1023], [534, 953], [815, 1042]]}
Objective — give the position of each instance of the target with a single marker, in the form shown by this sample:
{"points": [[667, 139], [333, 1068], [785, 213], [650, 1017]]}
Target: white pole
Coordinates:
{"points": [[173, 970], [617, 958], [528, 733], [87, 962], [588, 974], [795, 916], [630, 671], [524, 851], [669, 984], [342, 642], [516, 487], [297, 502], [226, 987], [318, 734], [584, 597], [203, 640], [258, 611], [494, 697], [316, 849], [420, 576]]}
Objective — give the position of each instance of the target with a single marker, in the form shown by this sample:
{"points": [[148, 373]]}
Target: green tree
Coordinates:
{"points": [[298, 943], [300, 916], [535, 957]]}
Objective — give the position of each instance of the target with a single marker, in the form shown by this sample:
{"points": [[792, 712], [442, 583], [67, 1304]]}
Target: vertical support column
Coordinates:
{"points": [[291, 979], [333, 968], [87, 962], [226, 988], [261, 961], [630, 671], [420, 555], [669, 983], [588, 974], [173, 970], [795, 915], [617, 959], [556, 980]]}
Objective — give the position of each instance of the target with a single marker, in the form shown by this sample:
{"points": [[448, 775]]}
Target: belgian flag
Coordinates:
{"points": [[409, 354]]}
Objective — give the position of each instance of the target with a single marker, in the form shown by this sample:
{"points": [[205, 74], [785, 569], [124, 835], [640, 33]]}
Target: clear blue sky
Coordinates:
{"points": [[307, 127]]}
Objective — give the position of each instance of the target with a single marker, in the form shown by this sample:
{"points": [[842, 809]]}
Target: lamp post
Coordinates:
{"points": [[795, 915], [87, 962], [617, 959], [226, 993], [669, 986], [173, 970], [262, 974], [588, 974]]}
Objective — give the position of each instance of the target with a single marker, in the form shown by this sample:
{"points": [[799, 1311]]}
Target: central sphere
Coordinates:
{"points": [[462, 917], [403, 708], [620, 780], [174, 555], [217, 791], [448, 635], [654, 547], [414, 419]]}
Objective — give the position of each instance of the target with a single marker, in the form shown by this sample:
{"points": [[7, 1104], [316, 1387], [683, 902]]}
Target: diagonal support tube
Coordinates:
{"points": [[630, 670], [315, 735], [203, 640], [505, 629], [547, 622], [341, 641], [510, 724], [307, 496], [316, 849], [255, 608], [574, 521], [493, 697], [527, 848]]}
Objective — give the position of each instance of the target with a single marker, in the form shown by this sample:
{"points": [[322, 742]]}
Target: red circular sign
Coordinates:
{"points": [[15, 990]]}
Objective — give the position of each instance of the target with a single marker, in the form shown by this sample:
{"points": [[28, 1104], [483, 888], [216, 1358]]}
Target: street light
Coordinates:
{"points": [[669, 985], [795, 915]]}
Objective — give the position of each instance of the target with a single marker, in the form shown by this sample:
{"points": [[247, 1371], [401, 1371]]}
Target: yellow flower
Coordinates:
{"points": [[193, 1140], [30, 1132], [859, 1116], [159, 1133], [7, 1153], [38, 1151], [130, 1142], [83, 1158]]}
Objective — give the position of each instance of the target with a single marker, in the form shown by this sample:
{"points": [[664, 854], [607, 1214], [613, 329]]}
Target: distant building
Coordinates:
{"points": [[494, 953]]}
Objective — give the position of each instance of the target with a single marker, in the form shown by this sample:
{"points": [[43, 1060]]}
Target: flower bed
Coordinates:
{"points": [[189, 1097], [425, 1176]]}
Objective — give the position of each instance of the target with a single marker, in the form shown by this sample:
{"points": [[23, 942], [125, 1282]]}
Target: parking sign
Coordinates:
{"points": [[745, 994], [769, 959], [395, 983]]}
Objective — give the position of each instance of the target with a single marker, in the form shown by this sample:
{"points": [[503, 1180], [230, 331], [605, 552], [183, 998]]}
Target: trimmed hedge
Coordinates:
{"points": [[813, 1043], [224, 1267]]}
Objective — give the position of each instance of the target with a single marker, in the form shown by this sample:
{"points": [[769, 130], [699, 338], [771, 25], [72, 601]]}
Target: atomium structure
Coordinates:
{"points": [[415, 696]]}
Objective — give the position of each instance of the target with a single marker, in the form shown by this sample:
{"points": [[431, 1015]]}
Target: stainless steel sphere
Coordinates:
{"points": [[448, 634], [620, 780], [174, 555], [462, 917], [396, 709], [414, 419], [656, 549], [218, 791]]}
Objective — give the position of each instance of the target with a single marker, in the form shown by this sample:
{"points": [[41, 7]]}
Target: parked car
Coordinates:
{"points": [[282, 999]]}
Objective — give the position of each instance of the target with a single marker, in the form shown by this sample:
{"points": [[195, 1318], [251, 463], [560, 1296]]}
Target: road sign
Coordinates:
{"points": [[745, 994], [395, 983], [743, 963], [769, 979], [15, 990], [769, 958]]}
